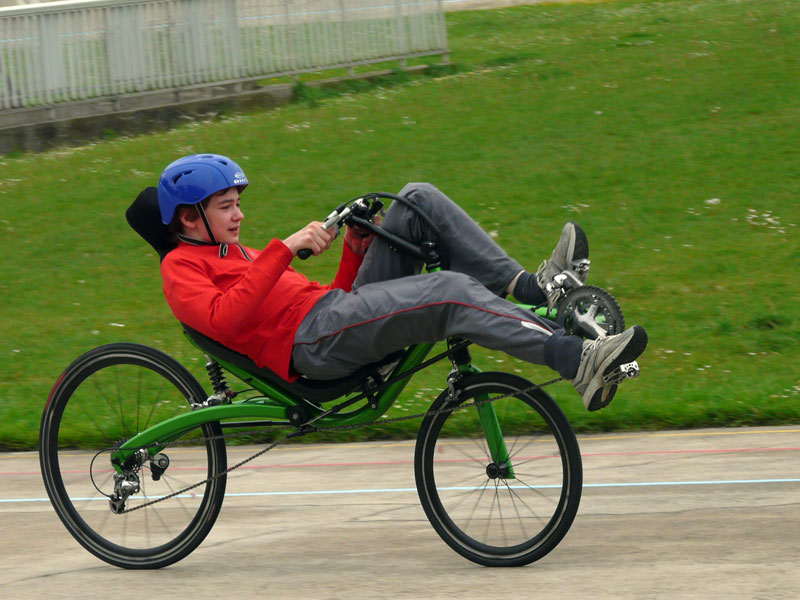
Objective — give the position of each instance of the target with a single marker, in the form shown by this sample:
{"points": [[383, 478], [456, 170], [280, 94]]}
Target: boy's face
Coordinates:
{"points": [[224, 216]]}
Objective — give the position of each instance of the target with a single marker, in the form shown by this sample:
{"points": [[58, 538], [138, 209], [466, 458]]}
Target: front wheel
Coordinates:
{"points": [[500, 482], [103, 398]]}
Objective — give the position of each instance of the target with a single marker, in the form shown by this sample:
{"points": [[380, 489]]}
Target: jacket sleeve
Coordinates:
{"points": [[348, 269], [196, 301]]}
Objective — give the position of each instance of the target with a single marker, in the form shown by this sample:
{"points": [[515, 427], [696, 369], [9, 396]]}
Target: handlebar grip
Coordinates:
{"points": [[304, 253]]}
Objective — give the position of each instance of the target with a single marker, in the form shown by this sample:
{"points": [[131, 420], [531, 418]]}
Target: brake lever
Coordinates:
{"points": [[332, 219]]}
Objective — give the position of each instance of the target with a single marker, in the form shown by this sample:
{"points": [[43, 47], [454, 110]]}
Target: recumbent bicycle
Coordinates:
{"points": [[497, 465]]}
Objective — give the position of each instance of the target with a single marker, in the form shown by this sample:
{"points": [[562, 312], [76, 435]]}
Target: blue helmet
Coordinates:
{"points": [[194, 178]]}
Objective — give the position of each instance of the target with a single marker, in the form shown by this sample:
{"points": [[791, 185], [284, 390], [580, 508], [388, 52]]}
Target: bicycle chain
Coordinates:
{"points": [[430, 413]]}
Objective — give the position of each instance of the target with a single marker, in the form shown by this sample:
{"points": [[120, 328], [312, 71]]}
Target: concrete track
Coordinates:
{"points": [[684, 514]]}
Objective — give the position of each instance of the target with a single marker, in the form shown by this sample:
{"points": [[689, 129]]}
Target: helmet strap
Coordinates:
{"points": [[202, 214]]}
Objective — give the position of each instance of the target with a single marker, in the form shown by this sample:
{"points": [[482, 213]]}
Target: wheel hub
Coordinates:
{"points": [[495, 471]]}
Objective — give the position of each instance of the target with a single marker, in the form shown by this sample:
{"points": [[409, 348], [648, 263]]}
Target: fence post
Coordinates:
{"points": [[442, 32], [289, 37], [51, 59], [232, 40], [345, 36], [402, 32]]}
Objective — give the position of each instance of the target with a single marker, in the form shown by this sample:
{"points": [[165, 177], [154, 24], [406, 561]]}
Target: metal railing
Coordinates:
{"points": [[78, 50]]}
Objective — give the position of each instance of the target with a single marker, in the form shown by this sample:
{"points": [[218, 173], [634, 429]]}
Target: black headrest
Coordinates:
{"points": [[145, 218]]}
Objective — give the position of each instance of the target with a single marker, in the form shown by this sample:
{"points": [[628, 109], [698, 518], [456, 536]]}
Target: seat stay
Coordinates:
{"points": [[157, 437]]}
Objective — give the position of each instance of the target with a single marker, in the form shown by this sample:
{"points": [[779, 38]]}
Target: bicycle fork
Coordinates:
{"points": [[501, 461], [500, 465]]}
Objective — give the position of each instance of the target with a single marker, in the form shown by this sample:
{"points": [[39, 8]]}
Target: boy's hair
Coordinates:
{"points": [[190, 210]]}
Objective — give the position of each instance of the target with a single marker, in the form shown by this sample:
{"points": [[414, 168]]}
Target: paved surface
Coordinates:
{"points": [[694, 514]]}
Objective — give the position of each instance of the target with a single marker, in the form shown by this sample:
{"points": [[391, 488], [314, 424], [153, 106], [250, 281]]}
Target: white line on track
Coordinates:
{"points": [[406, 490]]}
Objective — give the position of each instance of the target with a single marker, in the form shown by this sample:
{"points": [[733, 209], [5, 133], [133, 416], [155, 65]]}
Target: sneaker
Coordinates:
{"points": [[571, 254], [599, 358]]}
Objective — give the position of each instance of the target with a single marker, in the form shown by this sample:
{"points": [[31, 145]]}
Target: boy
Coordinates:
{"points": [[255, 303]]}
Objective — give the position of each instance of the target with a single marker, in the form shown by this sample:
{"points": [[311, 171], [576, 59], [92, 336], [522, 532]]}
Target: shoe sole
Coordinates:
{"points": [[603, 396], [580, 245], [579, 248]]}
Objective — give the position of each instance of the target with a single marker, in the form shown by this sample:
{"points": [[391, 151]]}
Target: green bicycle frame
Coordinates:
{"points": [[275, 404]]}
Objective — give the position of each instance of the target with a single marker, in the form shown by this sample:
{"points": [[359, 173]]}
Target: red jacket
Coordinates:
{"points": [[251, 301]]}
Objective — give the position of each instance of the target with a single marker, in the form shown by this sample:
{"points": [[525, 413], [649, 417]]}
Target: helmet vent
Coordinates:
{"points": [[179, 175]]}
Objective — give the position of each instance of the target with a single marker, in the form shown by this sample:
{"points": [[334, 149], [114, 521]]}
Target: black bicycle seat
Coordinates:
{"points": [[144, 216]]}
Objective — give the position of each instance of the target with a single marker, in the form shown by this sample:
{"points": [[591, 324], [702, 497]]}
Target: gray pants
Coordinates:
{"points": [[392, 306]]}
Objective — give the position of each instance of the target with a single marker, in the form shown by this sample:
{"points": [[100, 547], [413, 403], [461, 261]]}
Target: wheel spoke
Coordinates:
{"points": [[127, 432], [515, 494], [480, 460], [146, 511], [491, 511], [154, 404], [89, 416], [124, 528], [465, 494], [172, 490], [472, 514], [512, 494], [138, 398], [500, 513]]}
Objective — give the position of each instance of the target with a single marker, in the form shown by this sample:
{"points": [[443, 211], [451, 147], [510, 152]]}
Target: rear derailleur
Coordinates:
{"points": [[127, 483]]}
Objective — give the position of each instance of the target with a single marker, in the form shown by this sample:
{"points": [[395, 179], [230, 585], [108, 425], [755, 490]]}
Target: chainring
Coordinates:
{"points": [[590, 312]]}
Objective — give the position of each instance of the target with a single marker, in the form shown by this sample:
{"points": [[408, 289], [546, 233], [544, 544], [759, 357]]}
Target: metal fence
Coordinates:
{"points": [[77, 50]]}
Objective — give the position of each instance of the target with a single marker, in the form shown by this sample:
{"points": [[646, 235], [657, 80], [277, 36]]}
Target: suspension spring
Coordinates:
{"points": [[217, 377]]}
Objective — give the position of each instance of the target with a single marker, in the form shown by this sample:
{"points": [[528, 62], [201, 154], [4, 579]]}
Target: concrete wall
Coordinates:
{"points": [[80, 123]]}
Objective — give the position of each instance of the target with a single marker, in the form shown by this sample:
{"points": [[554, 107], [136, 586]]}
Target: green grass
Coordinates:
{"points": [[668, 129]]}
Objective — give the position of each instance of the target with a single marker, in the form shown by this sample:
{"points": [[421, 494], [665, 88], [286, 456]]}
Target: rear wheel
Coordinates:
{"points": [[505, 504], [103, 398]]}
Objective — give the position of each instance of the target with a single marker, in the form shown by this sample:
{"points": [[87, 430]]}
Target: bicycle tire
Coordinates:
{"points": [[81, 413], [453, 473]]}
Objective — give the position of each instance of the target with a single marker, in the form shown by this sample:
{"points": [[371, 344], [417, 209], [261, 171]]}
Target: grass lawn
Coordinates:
{"points": [[668, 129]]}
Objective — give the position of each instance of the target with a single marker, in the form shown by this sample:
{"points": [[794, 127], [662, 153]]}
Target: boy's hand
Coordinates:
{"points": [[313, 237], [358, 239]]}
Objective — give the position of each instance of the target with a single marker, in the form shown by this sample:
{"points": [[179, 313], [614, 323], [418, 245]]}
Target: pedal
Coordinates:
{"points": [[581, 267], [555, 288], [558, 281], [621, 373], [567, 280]]}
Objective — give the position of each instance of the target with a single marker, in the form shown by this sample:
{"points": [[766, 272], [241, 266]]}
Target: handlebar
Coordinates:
{"points": [[364, 208], [360, 212]]}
